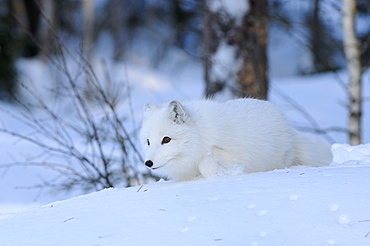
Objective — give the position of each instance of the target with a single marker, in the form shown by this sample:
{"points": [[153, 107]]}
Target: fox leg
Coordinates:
{"points": [[211, 164]]}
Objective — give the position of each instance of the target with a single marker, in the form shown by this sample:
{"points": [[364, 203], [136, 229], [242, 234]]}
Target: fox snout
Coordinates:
{"points": [[149, 163]]}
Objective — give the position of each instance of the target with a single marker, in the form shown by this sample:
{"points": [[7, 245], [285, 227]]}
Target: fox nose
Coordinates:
{"points": [[149, 163]]}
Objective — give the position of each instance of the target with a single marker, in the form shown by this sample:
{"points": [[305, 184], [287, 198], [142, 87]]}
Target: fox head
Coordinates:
{"points": [[170, 140]]}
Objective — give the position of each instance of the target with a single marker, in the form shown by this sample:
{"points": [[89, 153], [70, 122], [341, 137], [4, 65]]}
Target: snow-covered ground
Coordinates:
{"points": [[302, 206]]}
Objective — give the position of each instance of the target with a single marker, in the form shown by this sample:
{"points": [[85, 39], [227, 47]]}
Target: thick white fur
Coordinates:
{"points": [[208, 137]]}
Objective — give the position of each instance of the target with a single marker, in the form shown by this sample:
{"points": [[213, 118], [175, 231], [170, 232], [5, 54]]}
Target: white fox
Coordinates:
{"points": [[203, 138]]}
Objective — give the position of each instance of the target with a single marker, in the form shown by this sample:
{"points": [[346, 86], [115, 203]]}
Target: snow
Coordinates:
{"points": [[234, 8], [225, 66], [348, 154], [299, 206]]}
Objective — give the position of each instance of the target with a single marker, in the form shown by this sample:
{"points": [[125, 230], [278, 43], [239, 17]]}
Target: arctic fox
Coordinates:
{"points": [[202, 138]]}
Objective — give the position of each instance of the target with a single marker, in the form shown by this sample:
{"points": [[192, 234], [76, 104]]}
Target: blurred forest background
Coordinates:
{"points": [[28, 28], [230, 38]]}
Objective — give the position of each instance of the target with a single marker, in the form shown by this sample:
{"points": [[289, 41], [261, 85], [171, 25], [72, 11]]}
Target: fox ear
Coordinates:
{"points": [[177, 112], [148, 109]]}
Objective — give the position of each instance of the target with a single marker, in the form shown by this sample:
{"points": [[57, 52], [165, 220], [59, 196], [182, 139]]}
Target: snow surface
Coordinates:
{"points": [[302, 206]]}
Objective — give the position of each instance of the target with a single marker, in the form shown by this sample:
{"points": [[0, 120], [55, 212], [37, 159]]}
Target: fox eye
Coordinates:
{"points": [[166, 140], [147, 142]]}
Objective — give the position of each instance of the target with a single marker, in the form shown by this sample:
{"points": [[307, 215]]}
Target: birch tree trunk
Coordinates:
{"points": [[352, 52]]}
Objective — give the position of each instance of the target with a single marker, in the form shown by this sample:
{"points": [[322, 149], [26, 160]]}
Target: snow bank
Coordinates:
{"points": [[305, 206], [351, 155]]}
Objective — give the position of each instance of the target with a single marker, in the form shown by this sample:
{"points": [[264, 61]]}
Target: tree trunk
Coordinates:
{"points": [[317, 39], [234, 47], [210, 44], [47, 26], [33, 16], [88, 28], [352, 52], [252, 46], [8, 46], [88, 42], [117, 27]]}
